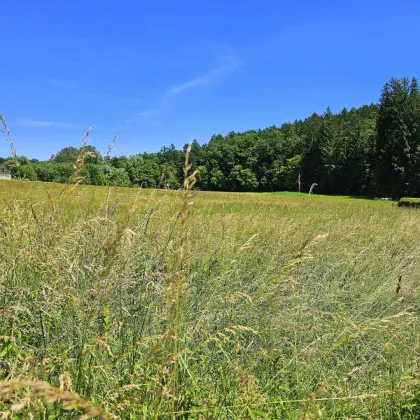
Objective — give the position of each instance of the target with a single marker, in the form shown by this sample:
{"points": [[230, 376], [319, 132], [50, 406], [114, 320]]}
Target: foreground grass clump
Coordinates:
{"points": [[119, 303]]}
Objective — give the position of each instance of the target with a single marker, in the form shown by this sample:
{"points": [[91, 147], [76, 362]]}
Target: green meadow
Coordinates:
{"points": [[133, 303]]}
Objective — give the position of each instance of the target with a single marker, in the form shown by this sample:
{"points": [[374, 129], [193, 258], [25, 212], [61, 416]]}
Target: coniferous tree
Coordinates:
{"points": [[397, 146]]}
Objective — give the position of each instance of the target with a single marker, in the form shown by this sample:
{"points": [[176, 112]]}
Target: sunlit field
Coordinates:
{"points": [[128, 303]]}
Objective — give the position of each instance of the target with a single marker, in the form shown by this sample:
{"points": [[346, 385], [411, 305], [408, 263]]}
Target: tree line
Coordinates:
{"points": [[370, 150]]}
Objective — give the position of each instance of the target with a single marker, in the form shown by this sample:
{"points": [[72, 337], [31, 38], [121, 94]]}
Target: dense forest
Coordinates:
{"points": [[371, 150]]}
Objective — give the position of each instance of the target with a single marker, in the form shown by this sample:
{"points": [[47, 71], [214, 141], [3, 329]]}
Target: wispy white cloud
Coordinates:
{"points": [[146, 113], [206, 79], [214, 75], [46, 124], [229, 62], [161, 126]]}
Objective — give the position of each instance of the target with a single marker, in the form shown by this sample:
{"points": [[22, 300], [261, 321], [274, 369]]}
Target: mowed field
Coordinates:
{"points": [[125, 303]]}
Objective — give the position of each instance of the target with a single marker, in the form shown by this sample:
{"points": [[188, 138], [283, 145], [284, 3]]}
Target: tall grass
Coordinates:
{"points": [[124, 303]]}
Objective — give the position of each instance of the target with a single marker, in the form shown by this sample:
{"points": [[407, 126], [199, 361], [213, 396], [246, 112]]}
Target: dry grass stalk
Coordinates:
{"points": [[50, 394], [83, 155], [6, 131], [111, 145], [177, 289]]}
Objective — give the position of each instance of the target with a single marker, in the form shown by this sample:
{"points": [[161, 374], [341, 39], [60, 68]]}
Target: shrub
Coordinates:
{"points": [[27, 172], [409, 202]]}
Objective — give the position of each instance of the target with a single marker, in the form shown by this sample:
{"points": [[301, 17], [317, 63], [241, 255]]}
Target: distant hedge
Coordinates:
{"points": [[409, 202]]}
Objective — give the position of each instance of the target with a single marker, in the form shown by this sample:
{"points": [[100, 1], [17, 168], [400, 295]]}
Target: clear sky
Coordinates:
{"points": [[161, 72]]}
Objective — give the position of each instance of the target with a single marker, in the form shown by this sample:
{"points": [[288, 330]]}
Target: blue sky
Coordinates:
{"points": [[162, 72]]}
